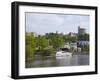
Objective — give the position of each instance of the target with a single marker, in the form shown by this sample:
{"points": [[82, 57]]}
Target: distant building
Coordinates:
{"points": [[82, 43], [81, 30], [70, 46], [28, 33], [56, 32], [73, 45], [66, 45], [32, 34], [72, 34]]}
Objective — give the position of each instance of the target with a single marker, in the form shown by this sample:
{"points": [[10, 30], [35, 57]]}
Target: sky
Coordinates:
{"points": [[42, 23]]}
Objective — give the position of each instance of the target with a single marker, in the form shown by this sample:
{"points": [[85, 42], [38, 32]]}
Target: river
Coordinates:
{"points": [[49, 61]]}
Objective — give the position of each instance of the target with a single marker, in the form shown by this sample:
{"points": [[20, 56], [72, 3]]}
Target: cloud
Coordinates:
{"points": [[36, 22], [43, 23]]}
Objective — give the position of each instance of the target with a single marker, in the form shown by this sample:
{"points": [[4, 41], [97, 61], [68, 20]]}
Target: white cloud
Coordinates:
{"points": [[43, 23]]}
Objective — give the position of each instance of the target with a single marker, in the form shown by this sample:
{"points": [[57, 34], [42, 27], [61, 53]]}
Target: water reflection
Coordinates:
{"points": [[63, 61], [49, 61]]}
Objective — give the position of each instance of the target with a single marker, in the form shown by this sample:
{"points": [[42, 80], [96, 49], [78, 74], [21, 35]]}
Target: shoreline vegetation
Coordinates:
{"points": [[48, 44], [53, 55]]}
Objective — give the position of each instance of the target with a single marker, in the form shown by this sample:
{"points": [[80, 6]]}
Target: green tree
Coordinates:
{"points": [[57, 42], [70, 39], [29, 52], [30, 40], [84, 37], [30, 46], [42, 43]]}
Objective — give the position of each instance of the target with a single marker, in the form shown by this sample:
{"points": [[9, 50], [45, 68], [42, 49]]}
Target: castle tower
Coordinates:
{"points": [[81, 30]]}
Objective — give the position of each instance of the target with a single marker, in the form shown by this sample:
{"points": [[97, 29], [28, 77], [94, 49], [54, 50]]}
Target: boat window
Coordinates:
{"points": [[64, 49]]}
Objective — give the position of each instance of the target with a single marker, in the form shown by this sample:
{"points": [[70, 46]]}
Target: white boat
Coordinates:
{"points": [[63, 52]]}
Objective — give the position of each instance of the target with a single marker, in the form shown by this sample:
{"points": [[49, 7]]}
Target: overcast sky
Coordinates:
{"points": [[44, 23]]}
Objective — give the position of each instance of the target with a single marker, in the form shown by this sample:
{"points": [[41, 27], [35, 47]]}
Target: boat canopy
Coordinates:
{"points": [[64, 49]]}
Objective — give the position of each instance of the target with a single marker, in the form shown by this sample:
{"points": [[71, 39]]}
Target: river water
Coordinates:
{"points": [[49, 61]]}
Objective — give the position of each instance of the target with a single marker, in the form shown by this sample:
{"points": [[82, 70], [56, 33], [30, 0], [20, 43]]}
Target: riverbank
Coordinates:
{"points": [[53, 61], [80, 53]]}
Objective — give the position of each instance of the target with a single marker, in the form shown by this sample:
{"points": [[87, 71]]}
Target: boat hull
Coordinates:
{"points": [[63, 54]]}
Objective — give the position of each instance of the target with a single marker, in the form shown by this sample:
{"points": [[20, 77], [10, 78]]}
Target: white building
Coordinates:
{"points": [[83, 43]]}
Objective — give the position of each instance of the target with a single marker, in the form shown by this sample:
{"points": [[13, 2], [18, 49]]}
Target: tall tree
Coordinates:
{"points": [[42, 43], [57, 42], [84, 37], [30, 46]]}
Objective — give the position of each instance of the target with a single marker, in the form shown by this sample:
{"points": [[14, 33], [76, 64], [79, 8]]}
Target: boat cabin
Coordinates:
{"points": [[64, 49]]}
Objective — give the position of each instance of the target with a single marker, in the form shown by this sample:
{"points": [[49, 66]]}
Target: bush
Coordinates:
{"points": [[29, 52], [45, 52], [85, 49], [48, 52]]}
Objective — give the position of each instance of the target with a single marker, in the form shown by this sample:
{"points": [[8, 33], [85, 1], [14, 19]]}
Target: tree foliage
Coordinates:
{"points": [[48, 43], [30, 45], [70, 39], [84, 37], [42, 43], [57, 42]]}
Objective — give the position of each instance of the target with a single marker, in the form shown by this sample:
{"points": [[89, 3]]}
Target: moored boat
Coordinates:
{"points": [[63, 52]]}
